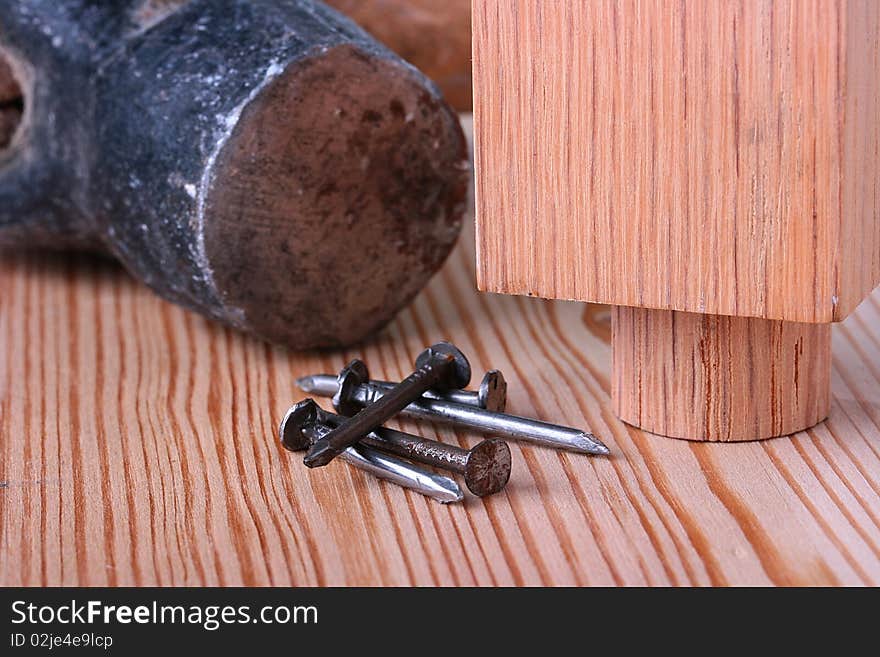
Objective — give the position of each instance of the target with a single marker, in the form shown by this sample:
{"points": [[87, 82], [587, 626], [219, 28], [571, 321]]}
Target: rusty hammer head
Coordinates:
{"points": [[230, 154]]}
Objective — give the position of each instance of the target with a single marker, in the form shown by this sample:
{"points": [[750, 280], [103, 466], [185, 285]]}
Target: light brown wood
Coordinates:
{"points": [[137, 446], [711, 377], [713, 157], [435, 37]]}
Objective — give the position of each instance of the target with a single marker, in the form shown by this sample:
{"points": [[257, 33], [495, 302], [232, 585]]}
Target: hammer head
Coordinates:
{"points": [[350, 377], [271, 139]]}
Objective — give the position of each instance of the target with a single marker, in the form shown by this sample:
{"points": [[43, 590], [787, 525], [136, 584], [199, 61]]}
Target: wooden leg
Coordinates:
{"points": [[712, 377]]}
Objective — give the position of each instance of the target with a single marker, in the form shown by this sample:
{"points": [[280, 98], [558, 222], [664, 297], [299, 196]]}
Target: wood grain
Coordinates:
{"points": [[711, 377], [137, 447], [713, 157], [433, 36]]}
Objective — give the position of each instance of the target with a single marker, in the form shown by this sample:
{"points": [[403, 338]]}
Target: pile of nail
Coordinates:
{"points": [[434, 391]]}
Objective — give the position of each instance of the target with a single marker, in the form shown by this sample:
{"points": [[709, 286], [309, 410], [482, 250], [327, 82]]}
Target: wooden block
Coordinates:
{"points": [[712, 157], [705, 377]]}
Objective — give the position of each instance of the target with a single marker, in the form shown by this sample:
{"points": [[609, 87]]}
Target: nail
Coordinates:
{"points": [[486, 467], [492, 394], [355, 391], [299, 429], [440, 366]]}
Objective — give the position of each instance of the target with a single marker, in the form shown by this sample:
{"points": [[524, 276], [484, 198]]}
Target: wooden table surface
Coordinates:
{"points": [[137, 446]]}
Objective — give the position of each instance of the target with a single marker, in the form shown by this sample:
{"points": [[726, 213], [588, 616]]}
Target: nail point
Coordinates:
{"points": [[592, 445], [454, 496]]}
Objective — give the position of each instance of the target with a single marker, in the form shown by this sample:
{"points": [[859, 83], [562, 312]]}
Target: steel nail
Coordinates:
{"points": [[440, 366], [486, 467], [354, 391], [491, 395], [299, 429]]}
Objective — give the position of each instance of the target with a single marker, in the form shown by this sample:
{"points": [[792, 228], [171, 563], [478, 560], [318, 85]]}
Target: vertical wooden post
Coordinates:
{"points": [[679, 158], [711, 377]]}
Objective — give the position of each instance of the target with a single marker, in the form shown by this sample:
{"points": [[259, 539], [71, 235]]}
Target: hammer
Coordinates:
{"points": [[263, 162]]}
